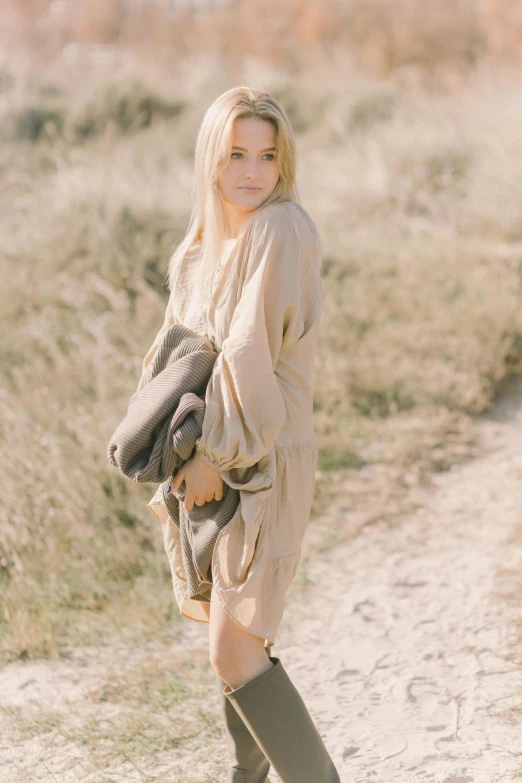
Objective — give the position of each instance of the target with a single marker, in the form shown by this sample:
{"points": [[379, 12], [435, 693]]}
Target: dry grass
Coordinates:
{"points": [[446, 39], [417, 194], [144, 710]]}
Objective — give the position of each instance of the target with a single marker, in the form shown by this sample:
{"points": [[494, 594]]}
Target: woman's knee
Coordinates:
{"points": [[228, 651], [235, 653], [237, 669], [220, 661]]}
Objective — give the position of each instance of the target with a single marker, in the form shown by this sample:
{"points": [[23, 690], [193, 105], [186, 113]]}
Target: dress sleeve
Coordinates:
{"points": [[168, 321], [244, 405]]}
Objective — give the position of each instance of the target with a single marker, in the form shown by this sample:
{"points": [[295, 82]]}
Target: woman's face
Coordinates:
{"points": [[252, 171]]}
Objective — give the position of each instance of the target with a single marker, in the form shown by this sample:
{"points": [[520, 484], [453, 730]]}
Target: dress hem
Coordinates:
{"points": [[182, 612]]}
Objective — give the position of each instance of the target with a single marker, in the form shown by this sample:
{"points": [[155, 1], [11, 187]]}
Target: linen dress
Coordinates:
{"points": [[257, 429]]}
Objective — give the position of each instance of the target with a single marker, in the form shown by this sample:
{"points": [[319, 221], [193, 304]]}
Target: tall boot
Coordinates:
{"points": [[271, 707], [247, 762]]}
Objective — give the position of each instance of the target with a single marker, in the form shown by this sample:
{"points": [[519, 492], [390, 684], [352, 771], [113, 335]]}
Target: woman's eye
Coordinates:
{"points": [[270, 155]]}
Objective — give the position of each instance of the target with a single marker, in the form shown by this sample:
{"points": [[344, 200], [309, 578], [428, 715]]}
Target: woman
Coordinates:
{"points": [[260, 306]]}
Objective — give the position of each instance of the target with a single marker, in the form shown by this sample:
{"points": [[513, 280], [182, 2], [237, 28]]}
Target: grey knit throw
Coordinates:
{"points": [[159, 433]]}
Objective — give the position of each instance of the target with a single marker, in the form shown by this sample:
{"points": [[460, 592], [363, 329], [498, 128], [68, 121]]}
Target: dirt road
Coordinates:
{"points": [[413, 673]]}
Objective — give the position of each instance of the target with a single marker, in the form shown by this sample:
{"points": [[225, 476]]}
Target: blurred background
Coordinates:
{"points": [[408, 122]]}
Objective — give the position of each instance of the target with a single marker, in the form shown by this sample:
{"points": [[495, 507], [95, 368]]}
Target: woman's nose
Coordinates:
{"points": [[252, 171]]}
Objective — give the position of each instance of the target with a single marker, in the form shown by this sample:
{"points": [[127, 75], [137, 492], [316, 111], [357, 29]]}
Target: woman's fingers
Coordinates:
{"points": [[195, 494], [188, 503], [176, 481]]}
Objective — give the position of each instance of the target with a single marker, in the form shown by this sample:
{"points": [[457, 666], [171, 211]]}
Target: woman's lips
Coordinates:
{"points": [[250, 190]]}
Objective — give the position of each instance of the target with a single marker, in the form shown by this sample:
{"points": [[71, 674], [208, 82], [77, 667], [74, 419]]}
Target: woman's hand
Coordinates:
{"points": [[202, 482]]}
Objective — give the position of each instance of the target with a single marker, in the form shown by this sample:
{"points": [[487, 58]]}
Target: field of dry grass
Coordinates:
{"points": [[409, 163]]}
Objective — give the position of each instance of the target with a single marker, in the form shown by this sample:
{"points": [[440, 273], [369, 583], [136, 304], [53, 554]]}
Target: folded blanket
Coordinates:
{"points": [[159, 433]]}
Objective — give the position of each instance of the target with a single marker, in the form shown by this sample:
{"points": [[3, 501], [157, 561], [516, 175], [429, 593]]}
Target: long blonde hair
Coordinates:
{"points": [[207, 224]]}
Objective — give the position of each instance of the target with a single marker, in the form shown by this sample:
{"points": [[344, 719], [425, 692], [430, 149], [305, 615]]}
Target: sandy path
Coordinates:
{"points": [[417, 675], [413, 674]]}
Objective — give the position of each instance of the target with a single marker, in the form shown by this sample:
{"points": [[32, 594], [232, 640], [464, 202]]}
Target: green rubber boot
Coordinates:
{"points": [[248, 764], [272, 709]]}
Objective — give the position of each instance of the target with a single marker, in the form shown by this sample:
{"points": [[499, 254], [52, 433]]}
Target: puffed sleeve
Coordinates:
{"points": [[168, 321], [245, 408]]}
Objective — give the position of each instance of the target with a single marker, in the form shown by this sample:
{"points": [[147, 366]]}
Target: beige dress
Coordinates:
{"points": [[257, 430]]}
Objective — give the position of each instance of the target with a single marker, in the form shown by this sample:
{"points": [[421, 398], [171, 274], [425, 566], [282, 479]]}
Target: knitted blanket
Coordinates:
{"points": [[159, 433]]}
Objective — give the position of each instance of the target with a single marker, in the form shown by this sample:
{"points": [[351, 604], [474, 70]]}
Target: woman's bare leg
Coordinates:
{"points": [[236, 655]]}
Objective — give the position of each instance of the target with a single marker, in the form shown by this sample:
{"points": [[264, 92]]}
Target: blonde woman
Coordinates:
{"points": [[247, 275]]}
